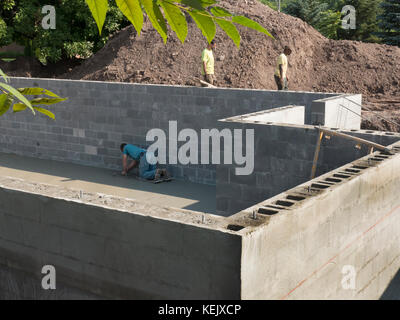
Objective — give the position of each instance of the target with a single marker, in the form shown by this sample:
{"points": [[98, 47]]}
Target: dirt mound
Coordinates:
{"points": [[317, 63], [146, 59]]}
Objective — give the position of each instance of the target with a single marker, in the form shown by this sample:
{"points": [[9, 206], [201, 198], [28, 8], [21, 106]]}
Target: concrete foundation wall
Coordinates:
{"points": [[104, 253], [342, 112], [99, 116], [301, 251], [283, 158], [289, 115]]}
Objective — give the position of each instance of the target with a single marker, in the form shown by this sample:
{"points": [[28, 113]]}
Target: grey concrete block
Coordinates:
{"points": [[246, 180], [68, 131]]}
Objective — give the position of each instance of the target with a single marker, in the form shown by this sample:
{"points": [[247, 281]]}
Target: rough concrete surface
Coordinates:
{"points": [[178, 194]]}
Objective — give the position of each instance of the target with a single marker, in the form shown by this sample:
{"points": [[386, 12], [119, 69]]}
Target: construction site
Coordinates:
{"points": [[322, 195], [210, 234]]}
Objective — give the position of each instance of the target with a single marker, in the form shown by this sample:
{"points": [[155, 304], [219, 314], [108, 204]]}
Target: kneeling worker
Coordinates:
{"points": [[146, 170]]}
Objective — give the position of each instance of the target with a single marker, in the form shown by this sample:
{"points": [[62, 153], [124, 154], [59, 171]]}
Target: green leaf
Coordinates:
{"points": [[220, 12], [133, 11], [17, 94], [99, 10], [8, 59], [230, 30], [18, 107], [36, 92], [4, 76], [205, 23], [176, 19], [5, 103], [47, 101], [250, 24], [156, 17], [197, 4], [46, 112]]}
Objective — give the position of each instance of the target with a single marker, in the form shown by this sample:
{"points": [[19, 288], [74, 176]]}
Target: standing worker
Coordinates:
{"points": [[207, 57], [280, 76]]}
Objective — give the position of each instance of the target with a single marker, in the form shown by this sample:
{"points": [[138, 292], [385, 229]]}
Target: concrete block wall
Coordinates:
{"points": [[307, 250], [98, 116], [283, 158], [99, 252], [341, 112]]}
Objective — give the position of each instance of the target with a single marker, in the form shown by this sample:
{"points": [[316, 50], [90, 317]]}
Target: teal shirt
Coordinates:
{"points": [[133, 151]]}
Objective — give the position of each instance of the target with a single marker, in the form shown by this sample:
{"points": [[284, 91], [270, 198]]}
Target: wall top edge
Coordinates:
{"points": [[120, 206], [334, 94], [304, 195]]}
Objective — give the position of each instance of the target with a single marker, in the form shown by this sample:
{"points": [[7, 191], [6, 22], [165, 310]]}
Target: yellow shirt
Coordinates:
{"points": [[208, 57], [282, 60]]}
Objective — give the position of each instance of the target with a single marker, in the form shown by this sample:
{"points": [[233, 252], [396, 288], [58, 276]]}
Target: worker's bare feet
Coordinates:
{"points": [[158, 174], [165, 174]]}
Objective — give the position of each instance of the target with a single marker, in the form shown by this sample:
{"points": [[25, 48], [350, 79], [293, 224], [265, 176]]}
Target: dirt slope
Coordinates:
{"points": [[316, 64]]}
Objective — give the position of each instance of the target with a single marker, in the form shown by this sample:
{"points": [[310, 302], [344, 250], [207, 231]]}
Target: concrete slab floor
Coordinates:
{"points": [[178, 194]]}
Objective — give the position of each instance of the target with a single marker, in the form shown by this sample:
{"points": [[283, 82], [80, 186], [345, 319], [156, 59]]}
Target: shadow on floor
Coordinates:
{"points": [[180, 194], [392, 292]]}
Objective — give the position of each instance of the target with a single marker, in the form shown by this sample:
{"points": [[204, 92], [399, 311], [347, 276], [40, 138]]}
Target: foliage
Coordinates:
{"points": [[323, 15], [15, 99], [329, 23], [75, 34], [5, 31], [274, 4], [308, 10], [366, 22], [205, 13], [6, 5], [389, 22]]}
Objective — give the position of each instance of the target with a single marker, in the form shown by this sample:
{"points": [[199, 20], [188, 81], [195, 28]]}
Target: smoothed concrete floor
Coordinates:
{"points": [[178, 194]]}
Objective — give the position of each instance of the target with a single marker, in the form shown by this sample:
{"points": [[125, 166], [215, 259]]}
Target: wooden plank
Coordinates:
{"points": [[316, 155], [371, 150], [204, 83], [349, 137]]}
